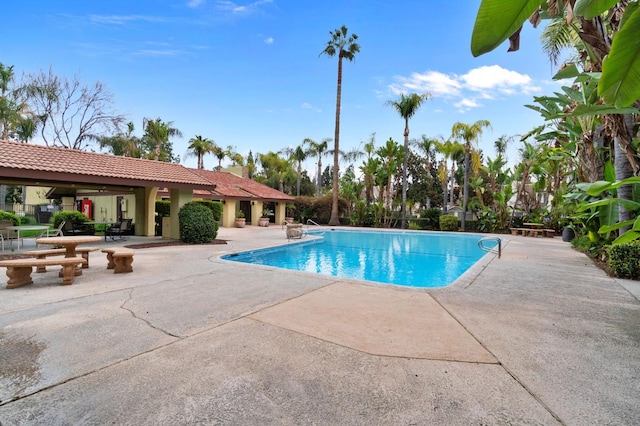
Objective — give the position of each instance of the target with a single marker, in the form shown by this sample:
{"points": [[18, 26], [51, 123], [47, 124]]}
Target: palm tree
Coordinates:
{"points": [[318, 149], [236, 158], [468, 133], [501, 145], [390, 154], [345, 47], [122, 144], [298, 155], [9, 111], [450, 150], [25, 128], [199, 147], [159, 132], [427, 146], [219, 153], [407, 106], [531, 156]]}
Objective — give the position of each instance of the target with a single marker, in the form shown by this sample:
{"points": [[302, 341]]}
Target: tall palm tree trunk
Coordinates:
{"points": [[335, 219], [319, 178], [465, 198], [453, 180], [403, 208]]}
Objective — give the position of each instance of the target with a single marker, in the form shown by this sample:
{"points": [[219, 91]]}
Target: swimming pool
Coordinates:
{"points": [[412, 259]]}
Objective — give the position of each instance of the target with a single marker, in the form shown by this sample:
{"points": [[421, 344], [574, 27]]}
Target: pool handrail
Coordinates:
{"points": [[491, 250], [311, 221]]}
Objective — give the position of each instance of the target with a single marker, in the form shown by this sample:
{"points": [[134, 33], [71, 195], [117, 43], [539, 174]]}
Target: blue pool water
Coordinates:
{"points": [[402, 258]]}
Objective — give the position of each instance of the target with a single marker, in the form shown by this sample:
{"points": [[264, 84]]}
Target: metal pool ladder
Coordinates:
{"points": [[481, 242]]}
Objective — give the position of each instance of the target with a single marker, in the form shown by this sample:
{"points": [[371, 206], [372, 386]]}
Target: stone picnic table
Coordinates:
{"points": [[69, 242]]}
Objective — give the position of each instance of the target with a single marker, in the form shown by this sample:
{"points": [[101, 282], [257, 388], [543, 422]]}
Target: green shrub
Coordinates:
{"points": [[10, 216], [317, 209], [582, 243], [75, 217], [163, 208], [431, 219], [197, 225], [448, 222], [624, 260], [214, 206], [28, 220], [414, 226]]}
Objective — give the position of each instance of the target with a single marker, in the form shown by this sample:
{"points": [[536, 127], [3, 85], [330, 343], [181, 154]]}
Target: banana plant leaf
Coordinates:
{"points": [[620, 81], [497, 20]]}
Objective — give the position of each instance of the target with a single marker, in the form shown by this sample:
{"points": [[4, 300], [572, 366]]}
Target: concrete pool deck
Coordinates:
{"points": [[540, 336]]}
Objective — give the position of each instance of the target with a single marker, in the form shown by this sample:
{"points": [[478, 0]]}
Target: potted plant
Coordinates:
{"points": [[568, 233], [264, 220], [290, 207], [240, 219]]}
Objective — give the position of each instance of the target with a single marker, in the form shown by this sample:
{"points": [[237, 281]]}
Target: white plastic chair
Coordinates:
{"points": [[55, 233]]}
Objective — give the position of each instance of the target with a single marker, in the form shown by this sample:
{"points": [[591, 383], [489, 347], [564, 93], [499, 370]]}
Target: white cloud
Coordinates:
{"points": [[123, 19], [194, 3], [486, 82], [268, 40], [229, 6], [434, 82], [307, 105], [467, 104], [158, 53], [494, 77]]}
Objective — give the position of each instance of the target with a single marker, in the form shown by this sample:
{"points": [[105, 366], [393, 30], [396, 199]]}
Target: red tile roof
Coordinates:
{"points": [[29, 162], [229, 185]]}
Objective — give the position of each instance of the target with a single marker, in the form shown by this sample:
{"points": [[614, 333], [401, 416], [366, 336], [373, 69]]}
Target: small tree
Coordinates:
{"points": [[71, 113]]}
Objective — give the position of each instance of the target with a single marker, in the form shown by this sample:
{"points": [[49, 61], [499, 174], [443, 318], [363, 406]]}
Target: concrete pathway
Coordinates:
{"points": [[540, 336]]}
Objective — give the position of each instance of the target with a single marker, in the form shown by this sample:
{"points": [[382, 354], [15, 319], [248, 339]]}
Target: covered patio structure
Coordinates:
{"points": [[37, 165]]}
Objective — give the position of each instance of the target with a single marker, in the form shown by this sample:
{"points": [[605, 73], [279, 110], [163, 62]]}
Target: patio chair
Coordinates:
{"points": [[7, 234], [70, 229], [119, 230], [55, 233]]}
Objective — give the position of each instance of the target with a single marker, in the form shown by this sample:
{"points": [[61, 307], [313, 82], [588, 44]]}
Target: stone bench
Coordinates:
{"points": [[533, 232], [119, 259], [19, 270], [42, 254], [523, 231]]}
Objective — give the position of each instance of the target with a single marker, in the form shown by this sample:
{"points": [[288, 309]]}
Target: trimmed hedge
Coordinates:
{"points": [[214, 206], [4, 215], [163, 208], [197, 225], [624, 260], [75, 217], [448, 222]]}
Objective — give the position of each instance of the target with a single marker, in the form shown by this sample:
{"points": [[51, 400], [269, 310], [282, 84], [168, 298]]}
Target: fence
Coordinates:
{"points": [[41, 213]]}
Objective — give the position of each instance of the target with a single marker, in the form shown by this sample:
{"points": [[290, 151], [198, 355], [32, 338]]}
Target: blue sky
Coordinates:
{"points": [[248, 73]]}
